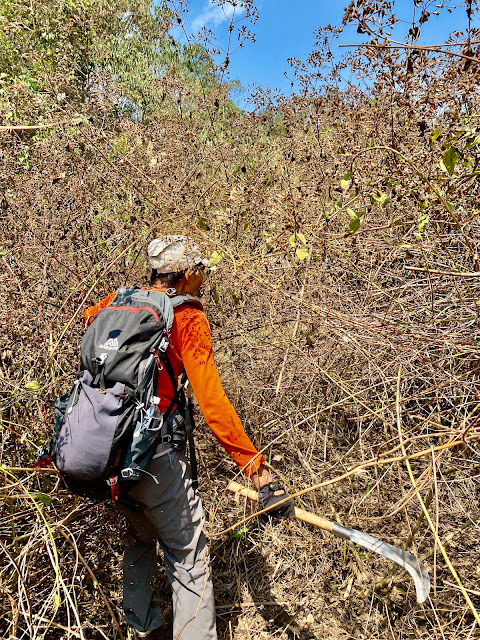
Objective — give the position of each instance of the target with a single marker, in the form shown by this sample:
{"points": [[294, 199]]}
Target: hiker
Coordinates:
{"points": [[167, 507]]}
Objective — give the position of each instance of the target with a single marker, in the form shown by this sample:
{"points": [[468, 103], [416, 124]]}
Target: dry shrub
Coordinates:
{"points": [[345, 325]]}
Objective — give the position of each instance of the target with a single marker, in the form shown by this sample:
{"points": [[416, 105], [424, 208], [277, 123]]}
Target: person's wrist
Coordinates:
{"points": [[261, 477]]}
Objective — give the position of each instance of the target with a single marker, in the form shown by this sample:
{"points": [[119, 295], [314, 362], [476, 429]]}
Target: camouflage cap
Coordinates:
{"points": [[174, 253]]}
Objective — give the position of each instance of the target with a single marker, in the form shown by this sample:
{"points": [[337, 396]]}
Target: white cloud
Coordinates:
{"points": [[213, 15]]}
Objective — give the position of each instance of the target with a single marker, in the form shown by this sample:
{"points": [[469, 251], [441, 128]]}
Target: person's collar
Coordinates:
{"points": [[150, 288]]}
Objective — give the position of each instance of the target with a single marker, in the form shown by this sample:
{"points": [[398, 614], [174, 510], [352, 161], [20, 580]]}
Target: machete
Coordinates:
{"points": [[404, 559]]}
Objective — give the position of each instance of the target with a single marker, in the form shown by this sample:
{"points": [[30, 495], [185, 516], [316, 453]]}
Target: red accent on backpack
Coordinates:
{"points": [[114, 488]]}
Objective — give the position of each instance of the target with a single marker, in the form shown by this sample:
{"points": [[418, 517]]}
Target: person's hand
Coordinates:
{"points": [[271, 493]]}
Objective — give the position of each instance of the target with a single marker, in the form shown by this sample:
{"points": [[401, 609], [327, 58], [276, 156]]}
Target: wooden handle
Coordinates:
{"points": [[304, 516]]}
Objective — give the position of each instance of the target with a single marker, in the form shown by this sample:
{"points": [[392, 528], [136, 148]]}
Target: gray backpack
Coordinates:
{"points": [[107, 426]]}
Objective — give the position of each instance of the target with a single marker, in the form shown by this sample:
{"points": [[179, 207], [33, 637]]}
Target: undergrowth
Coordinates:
{"points": [[344, 311]]}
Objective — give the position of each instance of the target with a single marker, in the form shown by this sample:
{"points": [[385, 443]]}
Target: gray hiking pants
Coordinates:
{"points": [[172, 514]]}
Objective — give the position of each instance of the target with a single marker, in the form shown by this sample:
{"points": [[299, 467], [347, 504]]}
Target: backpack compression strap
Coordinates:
{"points": [[189, 426]]}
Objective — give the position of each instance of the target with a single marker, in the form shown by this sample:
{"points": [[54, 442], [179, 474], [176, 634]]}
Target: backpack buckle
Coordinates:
{"points": [[157, 359], [165, 341]]}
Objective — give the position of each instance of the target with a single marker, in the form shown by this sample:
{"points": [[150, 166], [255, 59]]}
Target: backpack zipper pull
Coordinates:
{"points": [[128, 473], [75, 394]]}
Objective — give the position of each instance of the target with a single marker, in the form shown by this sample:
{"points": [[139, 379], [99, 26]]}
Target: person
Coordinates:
{"points": [[168, 508]]}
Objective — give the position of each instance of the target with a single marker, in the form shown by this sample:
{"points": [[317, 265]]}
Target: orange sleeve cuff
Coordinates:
{"points": [[254, 465]]}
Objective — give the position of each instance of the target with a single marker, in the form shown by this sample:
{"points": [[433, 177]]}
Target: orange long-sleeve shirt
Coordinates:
{"points": [[191, 352]]}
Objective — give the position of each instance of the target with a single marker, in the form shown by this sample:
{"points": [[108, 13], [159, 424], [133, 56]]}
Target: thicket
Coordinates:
{"points": [[344, 308]]}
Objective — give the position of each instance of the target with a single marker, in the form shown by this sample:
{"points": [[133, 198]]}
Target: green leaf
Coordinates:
{"points": [[397, 223], [215, 258], [381, 200], [472, 142], [33, 385], [292, 241], [423, 222], [355, 217], [436, 134], [47, 501], [301, 237], [239, 533], [345, 180], [450, 159], [418, 236], [354, 225], [202, 223], [302, 254], [336, 207]]}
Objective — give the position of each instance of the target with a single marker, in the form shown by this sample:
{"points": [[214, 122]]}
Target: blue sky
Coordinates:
{"points": [[285, 29]]}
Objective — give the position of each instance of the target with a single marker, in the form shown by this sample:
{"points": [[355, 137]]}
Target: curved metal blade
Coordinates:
{"points": [[403, 558]]}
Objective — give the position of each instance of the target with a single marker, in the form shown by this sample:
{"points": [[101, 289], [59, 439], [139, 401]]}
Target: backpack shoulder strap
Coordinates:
{"points": [[161, 300], [123, 294], [180, 298]]}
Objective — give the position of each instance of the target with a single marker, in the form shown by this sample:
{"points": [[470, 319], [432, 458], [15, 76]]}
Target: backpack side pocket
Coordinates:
{"points": [[86, 438]]}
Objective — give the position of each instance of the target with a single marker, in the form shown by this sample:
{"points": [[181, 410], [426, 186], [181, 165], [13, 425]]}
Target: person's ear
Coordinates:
{"points": [[188, 273]]}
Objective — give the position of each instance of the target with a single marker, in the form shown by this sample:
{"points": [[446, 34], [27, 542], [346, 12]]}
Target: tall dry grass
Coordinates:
{"points": [[345, 353]]}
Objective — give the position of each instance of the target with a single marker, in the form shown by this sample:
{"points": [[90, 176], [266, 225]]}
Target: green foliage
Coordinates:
{"points": [[355, 218], [23, 158], [42, 497], [334, 209], [293, 239], [117, 57], [33, 385], [346, 179], [302, 254], [279, 126], [381, 199], [423, 222], [449, 160], [215, 258], [472, 142], [52, 40]]}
